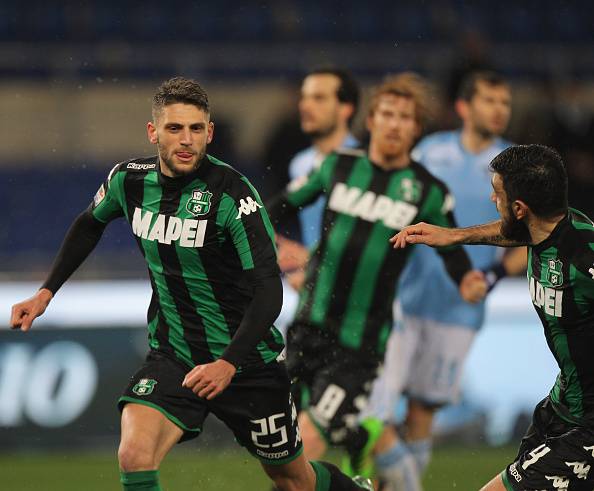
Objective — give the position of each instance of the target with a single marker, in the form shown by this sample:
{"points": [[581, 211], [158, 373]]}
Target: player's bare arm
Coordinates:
{"points": [[24, 313], [435, 236]]}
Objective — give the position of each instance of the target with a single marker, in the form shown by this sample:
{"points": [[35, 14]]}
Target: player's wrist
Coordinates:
{"points": [[45, 295], [493, 274]]}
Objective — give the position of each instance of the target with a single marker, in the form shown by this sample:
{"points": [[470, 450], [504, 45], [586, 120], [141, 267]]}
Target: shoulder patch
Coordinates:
{"points": [[99, 195]]}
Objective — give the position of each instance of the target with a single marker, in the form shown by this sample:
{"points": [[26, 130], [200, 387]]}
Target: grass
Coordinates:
{"points": [[462, 469]]}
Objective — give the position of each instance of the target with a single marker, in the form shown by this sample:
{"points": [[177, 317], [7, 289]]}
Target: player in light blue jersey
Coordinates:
{"points": [[327, 107], [435, 327]]}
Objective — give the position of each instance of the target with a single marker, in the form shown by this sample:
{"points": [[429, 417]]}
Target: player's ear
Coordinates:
{"points": [[151, 131], [461, 107], [210, 130], [520, 209], [369, 122]]}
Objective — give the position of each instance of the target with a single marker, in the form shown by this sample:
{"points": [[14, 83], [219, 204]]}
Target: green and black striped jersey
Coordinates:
{"points": [[352, 273], [561, 281], [201, 235]]}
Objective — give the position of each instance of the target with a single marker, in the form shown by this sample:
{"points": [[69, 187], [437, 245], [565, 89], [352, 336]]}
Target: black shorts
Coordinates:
{"points": [[330, 382], [256, 406], [554, 455]]}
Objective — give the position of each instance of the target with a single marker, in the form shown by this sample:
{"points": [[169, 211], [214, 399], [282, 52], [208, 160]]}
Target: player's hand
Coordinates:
{"points": [[296, 279], [291, 254], [423, 233], [24, 313], [473, 287], [209, 380]]}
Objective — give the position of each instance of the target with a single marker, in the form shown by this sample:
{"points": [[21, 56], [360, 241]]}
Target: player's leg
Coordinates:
{"points": [[147, 436], [314, 443], [157, 412], [436, 382], [495, 484]]}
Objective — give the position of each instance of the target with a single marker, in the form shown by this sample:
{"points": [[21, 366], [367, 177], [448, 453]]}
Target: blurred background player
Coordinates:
{"points": [[530, 193], [435, 327], [208, 244], [337, 341], [328, 104]]}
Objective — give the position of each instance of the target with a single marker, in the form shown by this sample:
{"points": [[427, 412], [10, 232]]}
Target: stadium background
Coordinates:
{"points": [[76, 80]]}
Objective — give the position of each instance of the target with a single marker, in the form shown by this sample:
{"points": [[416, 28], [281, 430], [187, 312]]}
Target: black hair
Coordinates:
{"points": [[348, 89], [180, 90], [469, 85], [534, 174]]}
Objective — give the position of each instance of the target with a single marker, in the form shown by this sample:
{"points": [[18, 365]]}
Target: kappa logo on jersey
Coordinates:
{"points": [[246, 206], [554, 272], [590, 449], [371, 207], [168, 229], [199, 203], [99, 195], [559, 482], [580, 469], [144, 387], [549, 298], [135, 166]]}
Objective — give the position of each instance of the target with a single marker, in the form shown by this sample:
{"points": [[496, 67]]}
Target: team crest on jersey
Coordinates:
{"points": [[554, 274], [144, 387], [199, 203], [410, 190]]}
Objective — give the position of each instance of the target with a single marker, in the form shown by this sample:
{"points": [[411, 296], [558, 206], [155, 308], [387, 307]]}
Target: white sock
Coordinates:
{"points": [[397, 466]]}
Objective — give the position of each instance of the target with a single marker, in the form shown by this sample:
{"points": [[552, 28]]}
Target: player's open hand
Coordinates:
{"points": [[423, 233], [209, 380], [473, 286], [24, 313], [291, 254]]}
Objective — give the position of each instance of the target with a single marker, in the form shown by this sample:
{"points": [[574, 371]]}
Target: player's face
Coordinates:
{"points": [[511, 227], [181, 133], [319, 106], [489, 110], [392, 126]]}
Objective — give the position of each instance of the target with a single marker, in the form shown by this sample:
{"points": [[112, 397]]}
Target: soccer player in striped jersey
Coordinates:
{"points": [[530, 193], [337, 341], [435, 327], [209, 247]]}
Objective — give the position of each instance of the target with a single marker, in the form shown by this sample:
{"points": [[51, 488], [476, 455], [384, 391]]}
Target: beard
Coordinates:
{"points": [[176, 169], [514, 229], [322, 132]]}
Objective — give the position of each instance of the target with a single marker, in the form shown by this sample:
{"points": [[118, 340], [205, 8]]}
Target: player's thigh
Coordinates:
{"points": [[387, 389], [157, 386], [436, 370], [146, 430], [339, 393], [258, 407]]}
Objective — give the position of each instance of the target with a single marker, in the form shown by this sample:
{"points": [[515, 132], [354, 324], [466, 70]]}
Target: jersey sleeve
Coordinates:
{"points": [[305, 189], [249, 227], [107, 204], [584, 264]]}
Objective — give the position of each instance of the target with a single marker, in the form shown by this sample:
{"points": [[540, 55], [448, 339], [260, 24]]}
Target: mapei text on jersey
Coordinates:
{"points": [[168, 229]]}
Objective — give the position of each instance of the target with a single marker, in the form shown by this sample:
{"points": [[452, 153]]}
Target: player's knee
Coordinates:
{"points": [[135, 458]]}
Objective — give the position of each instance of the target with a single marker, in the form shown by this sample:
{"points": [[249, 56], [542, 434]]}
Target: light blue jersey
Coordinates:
{"points": [[310, 217], [426, 290]]}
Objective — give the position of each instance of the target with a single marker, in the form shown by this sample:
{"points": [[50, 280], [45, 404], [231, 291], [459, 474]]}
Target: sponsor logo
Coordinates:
{"points": [[246, 206], [580, 469], [135, 166], [559, 482], [144, 387], [371, 207], [199, 203], [545, 297], [99, 195], [167, 229], [514, 472], [554, 273], [272, 455]]}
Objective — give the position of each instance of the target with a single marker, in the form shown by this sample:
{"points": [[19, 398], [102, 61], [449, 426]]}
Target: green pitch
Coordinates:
{"points": [[210, 470]]}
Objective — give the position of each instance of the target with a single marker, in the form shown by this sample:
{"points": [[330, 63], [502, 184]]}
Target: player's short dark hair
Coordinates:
{"points": [[469, 85], [180, 90], [534, 174], [412, 86], [348, 89]]}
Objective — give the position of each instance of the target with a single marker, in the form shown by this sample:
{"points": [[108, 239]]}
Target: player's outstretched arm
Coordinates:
{"points": [[24, 313], [434, 236]]}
